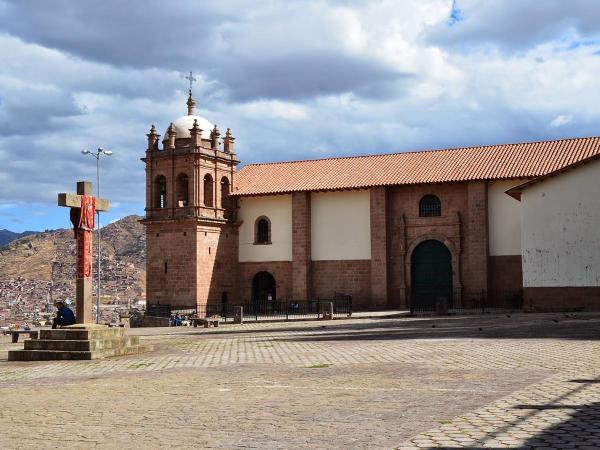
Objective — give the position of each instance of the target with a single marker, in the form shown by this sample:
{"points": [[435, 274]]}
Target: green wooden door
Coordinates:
{"points": [[431, 277]]}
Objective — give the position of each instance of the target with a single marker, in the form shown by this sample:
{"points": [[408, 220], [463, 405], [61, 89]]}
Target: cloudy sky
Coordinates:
{"points": [[293, 80]]}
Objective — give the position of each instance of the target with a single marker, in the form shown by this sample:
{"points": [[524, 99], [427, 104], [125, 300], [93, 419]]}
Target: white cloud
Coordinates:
{"points": [[561, 120], [273, 109], [295, 80]]}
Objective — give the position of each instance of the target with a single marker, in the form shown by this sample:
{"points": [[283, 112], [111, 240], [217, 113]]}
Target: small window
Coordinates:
{"points": [[262, 231], [430, 206]]}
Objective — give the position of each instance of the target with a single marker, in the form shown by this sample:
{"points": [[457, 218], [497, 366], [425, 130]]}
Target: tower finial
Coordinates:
{"points": [[214, 138], [191, 79], [228, 142], [191, 104]]}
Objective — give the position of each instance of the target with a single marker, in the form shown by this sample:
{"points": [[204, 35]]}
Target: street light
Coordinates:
{"points": [[97, 155]]}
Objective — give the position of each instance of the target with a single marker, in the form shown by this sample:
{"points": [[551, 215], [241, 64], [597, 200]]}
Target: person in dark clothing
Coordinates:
{"points": [[178, 320], [64, 316]]}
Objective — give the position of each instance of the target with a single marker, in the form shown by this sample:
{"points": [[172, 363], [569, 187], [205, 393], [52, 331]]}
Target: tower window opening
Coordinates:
{"points": [[208, 191], [161, 192], [224, 192], [182, 190]]}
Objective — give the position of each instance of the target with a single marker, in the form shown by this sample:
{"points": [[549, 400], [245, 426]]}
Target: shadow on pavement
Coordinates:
{"points": [[580, 431], [456, 328], [505, 326]]}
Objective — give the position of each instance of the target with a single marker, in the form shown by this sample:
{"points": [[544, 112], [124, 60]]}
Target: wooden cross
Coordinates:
{"points": [[83, 207]]}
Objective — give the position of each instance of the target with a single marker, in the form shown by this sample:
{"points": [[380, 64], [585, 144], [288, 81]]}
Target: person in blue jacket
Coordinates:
{"points": [[64, 315]]}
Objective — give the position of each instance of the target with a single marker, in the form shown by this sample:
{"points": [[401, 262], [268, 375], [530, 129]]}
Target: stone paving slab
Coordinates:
{"points": [[561, 412], [480, 382]]}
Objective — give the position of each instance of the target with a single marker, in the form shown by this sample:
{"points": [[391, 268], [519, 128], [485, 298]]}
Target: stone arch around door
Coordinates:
{"points": [[454, 251], [263, 284]]}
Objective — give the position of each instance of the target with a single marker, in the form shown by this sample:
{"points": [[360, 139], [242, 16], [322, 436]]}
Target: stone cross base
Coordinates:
{"points": [[81, 341]]}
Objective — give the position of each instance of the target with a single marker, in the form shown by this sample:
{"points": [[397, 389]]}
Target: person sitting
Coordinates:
{"points": [[64, 316], [177, 320]]}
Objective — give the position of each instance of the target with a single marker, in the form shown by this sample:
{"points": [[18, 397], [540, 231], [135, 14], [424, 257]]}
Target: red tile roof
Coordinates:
{"points": [[494, 162], [517, 190]]}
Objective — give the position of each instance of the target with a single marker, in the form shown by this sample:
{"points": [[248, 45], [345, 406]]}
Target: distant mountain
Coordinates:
{"points": [[40, 267], [7, 236]]}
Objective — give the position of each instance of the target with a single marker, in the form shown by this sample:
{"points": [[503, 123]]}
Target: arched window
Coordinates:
{"points": [[208, 191], [430, 206], [262, 231], [224, 193], [182, 190], [160, 189]]}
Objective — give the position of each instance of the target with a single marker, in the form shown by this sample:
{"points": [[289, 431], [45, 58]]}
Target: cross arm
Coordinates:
{"points": [[74, 201]]}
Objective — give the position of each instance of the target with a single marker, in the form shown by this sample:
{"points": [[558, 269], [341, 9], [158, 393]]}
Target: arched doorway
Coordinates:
{"points": [[431, 275], [263, 286]]}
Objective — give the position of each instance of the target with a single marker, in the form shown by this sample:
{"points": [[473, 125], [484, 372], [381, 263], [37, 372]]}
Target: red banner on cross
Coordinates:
{"points": [[83, 224]]}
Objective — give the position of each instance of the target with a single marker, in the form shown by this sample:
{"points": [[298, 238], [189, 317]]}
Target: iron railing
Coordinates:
{"points": [[257, 309], [465, 301]]}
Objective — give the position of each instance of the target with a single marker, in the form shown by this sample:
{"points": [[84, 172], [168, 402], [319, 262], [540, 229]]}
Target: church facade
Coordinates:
{"points": [[393, 231]]}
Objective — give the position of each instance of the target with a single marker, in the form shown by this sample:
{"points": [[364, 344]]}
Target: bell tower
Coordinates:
{"points": [[191, 237]]}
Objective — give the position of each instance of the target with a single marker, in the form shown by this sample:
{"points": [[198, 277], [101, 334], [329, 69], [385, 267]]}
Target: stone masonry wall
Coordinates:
{"points": [[217, 248], [351, 277], [379, 244], [301, 259], [505, 279], [171, 263], [281, 271], [406, 230], [574, 298], [476, 245]]}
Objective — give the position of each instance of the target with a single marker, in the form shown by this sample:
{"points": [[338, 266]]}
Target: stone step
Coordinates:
{"points": [[46, 355], [80, 345], [49, 355], [75, 334]]}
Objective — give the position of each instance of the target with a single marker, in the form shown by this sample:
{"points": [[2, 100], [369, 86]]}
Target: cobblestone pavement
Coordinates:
{"points": [[520, 381]]}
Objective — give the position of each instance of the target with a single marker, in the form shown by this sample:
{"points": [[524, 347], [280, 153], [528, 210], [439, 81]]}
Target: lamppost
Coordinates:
{"points": [[97, 155]]}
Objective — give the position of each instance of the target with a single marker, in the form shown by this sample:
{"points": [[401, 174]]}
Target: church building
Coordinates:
{"points": [[394, 231]]}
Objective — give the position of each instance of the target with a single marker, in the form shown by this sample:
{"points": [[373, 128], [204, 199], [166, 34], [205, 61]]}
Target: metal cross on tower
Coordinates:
{"points": [[191, 79]]}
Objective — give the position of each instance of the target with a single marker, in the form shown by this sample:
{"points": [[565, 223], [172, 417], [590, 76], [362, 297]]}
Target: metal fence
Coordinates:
{"points": [[463, 301], [257, 309]]}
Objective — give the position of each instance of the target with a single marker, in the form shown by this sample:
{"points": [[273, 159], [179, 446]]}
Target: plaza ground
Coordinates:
{"points": [[495, 381]]}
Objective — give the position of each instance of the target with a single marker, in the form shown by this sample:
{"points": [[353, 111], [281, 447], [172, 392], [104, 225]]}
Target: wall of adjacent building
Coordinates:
{"points": [[560, 235], [504, 218], [278, 209], [340, 226]]}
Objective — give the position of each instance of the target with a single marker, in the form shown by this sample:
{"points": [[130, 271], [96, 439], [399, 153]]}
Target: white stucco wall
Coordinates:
{"points": [[561, 229], [504, 219], [340, 225], [278, 208]]}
